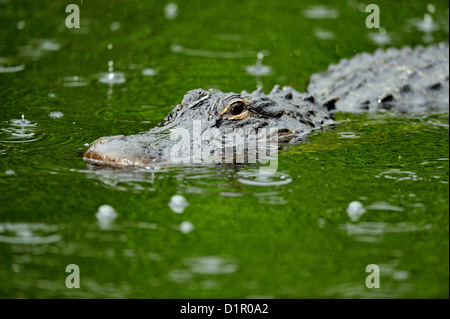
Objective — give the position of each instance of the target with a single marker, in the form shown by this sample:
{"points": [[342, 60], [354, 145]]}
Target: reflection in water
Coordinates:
{"points": [[392, 283], [177, 48], [359, 290], [348, 135], [123, 180], [374, 231], [384, 206], [271, 198], [37, 47], [323, 34], [320, 12], [28, 234], [427, 25], [211, 265], [225, 181], [180, 276], [149, 72], [399, 175], [381, 37]]}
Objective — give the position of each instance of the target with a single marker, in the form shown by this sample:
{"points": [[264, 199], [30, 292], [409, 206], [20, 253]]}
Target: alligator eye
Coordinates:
{"points": [[235, 110]]}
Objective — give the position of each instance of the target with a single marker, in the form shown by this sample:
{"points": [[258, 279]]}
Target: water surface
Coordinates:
{"points": [[229, 233]]}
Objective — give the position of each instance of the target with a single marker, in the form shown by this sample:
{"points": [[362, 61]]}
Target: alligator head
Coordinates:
{"points": [[199, 127], [202, 126]]}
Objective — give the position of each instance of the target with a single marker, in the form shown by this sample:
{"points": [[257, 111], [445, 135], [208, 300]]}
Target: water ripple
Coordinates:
{"points": [[255, 178], [8, 65], [74, 81], [399, 175], [320, 12], [374, 231], [28, 234], [211, 265], [19, 131], [177, 48]]}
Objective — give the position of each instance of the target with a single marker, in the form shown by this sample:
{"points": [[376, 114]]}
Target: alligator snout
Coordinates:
{"points": [[119, 151]]}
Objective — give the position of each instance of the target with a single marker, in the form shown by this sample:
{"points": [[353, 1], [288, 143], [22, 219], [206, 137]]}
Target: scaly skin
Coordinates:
{"points": [[399, 80]]}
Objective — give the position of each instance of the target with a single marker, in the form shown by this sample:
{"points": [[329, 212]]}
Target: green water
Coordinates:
{"points": [[289, 236]]}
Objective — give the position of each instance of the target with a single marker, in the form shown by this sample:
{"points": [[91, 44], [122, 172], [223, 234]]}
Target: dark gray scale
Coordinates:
{"points": [[405, 80]]}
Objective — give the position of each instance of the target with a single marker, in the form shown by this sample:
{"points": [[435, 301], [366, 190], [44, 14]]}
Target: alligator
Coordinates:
{"points": [[401, 80]]}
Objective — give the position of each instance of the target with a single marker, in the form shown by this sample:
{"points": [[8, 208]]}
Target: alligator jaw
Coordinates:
{"points": [[118, 151]]}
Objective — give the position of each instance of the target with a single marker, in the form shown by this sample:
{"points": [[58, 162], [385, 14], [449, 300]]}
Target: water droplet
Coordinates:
{"points": [[112, 78], [56, 114], [21, 24], [259, 69], [320, 12], [16, 268], [171, 11], [149, 72], [186, 227], [178, 204], [355, 210], [106, 212], [114, 26]]}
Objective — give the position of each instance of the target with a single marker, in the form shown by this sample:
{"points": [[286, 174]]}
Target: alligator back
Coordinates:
{"points": [[405, 80]]}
